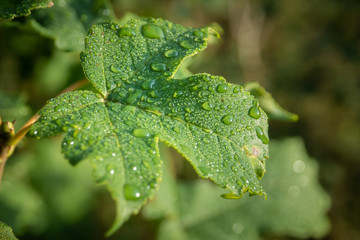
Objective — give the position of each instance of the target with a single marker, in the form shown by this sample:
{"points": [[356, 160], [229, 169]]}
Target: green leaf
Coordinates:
{"points": [[9, 9], [39, 191], [67, 21], [140, 104], [6, 232], [268, 103], [296, 204]]}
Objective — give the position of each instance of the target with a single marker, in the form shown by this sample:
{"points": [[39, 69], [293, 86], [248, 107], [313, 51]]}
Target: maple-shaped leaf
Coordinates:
{"points": [[139, 103]]}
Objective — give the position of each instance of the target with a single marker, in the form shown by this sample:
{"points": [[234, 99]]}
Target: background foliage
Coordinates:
{"points": [[307, 56]]}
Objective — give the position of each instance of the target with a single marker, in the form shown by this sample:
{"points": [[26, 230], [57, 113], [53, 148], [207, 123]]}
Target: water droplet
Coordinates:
{"points": [[177, 94], [260, 134], [196, 87], [60, 108], [158, 67], [188, 110], [131, 192], [126, 31], [206, 140], [115, 68], [171, 53], [254, 112], [228, 119], [141, 133], [152, 31], [199, 34], [148, 84], [204, 170], [237, 89], [221, 88], [230, 196], [186, 44], [207, 106]]}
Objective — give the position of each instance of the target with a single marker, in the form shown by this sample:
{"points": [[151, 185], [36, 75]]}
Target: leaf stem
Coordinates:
{"points": [[10, 145]]}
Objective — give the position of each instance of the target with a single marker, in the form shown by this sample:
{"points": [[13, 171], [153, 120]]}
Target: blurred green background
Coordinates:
{"points": [[306, 53]]}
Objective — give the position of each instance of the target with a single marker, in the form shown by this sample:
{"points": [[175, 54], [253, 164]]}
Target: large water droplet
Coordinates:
{"points": [[131, 192], [158, 67], [254, 112], [177, 94], [228, 119], [230, 196], [237, 89], [261, 135], [141, 133], [199, 34], [115, 68], [186, 44], [152, 31], [126, 31], [148, 84], [221, 88], [171, 53], [60, 108], [207, 106]]}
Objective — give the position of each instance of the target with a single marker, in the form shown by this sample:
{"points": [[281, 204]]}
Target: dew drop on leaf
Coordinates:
{"points": [[158, 67], [60, 108], [171, 53], [230, 196], [131, 192], [177, 94], [114, 68], [141, 133], [254, 112], [237, 89], [221, 88], [207, 106], [186, 44], [152, 31], [148, 84], [126, 31], [228, 119], [199, 34], [261, 135]]}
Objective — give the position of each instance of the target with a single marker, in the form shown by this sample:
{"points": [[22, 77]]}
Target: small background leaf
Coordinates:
{"points": [[9, 9], [41, 193], [68, 21], [268, 103], [296, 204]]}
